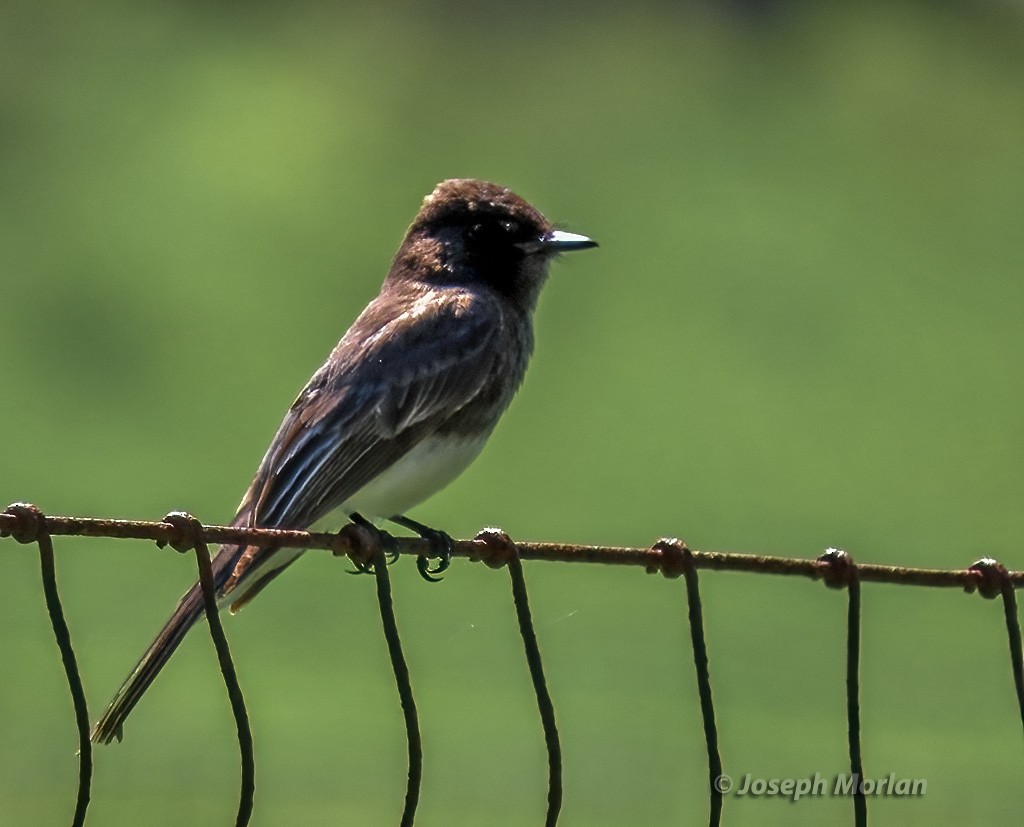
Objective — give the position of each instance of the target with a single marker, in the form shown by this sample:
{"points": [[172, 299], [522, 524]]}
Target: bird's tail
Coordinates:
{"points": [[190, 609]]}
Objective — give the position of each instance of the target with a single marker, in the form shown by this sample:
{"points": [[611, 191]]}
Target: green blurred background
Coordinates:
{"points": [[802, 329]]}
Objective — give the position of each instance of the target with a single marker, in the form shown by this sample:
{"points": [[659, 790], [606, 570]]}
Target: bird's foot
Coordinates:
{"points": [[441, 545]]}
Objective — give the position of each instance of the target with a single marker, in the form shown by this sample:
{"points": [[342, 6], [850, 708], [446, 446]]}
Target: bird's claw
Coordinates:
{"points": [[441, 545], [426, 572]]}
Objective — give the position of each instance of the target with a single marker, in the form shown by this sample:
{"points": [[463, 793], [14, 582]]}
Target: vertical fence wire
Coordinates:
{"points": [[540, 688], [860, 806], [995, 581], [67, 655], [707, 705], [1013, 634], [842, 572], [674, 559], [247, 788], [401, 670]]}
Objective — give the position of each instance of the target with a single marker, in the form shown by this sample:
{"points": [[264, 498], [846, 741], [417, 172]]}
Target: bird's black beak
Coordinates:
{"points": [[559, 241]]}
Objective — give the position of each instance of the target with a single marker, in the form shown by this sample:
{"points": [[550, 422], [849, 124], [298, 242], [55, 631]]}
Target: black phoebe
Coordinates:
{"points": [[404, 402]]}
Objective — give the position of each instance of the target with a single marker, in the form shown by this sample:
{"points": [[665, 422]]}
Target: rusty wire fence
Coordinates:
{"points": [[672, 558]]}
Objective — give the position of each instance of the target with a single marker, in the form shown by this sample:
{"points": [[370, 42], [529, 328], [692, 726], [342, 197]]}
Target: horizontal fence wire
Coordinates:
{"points": [[670, 557], [653, 559]]}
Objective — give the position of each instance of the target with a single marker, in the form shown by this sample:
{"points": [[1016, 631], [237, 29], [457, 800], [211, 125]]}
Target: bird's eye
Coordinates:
{"points": [[492, 232]]}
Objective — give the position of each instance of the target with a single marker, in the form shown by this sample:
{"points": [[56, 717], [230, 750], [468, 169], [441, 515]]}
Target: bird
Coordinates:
{"points": [[403, 404]]}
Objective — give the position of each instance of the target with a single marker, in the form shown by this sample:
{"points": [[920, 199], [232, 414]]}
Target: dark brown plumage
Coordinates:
{"points": [[404, 402]]}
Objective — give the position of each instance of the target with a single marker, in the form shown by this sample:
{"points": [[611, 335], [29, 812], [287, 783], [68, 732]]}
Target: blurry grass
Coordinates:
{"points": [[801, 329]]}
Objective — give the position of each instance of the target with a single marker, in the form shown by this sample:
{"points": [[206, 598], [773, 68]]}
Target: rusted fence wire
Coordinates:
{"points": [[27, 524]]}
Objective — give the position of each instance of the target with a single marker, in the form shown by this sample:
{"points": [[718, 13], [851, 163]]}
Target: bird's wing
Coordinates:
{"points": [[371, 403]]}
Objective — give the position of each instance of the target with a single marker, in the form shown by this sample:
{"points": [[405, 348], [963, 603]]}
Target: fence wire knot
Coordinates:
{"points": [[839, 568], [989, 579], [494, 548], [188, 530], [673, 561], [363, 545], [30, 522]]}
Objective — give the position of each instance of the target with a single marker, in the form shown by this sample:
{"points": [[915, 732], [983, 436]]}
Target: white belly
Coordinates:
{"points": [[425, 470]]}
